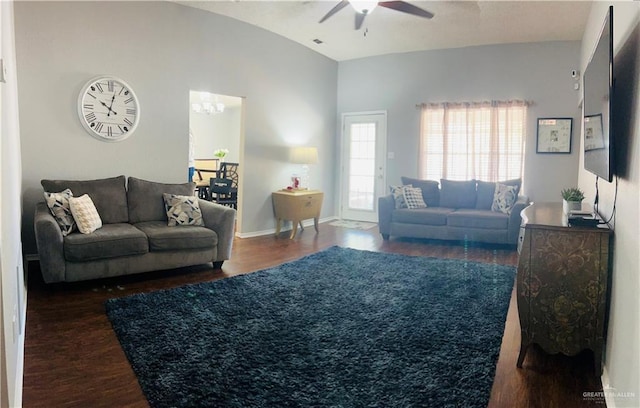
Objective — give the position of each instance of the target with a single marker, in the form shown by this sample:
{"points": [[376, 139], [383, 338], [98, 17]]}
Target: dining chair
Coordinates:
{"points": [[221, 191], [229, 170]]}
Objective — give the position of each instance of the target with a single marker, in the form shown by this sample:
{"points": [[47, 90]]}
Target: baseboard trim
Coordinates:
{"points": [[271, 231]]}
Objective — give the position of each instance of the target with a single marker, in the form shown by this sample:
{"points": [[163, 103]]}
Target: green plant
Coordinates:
{"points": [[572, 194], [220, 153]]}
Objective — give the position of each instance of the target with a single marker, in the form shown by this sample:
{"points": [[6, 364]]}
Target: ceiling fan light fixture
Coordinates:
{"points": [[363, 7]]}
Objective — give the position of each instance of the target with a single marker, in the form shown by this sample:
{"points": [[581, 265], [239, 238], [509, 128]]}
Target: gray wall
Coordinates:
{"points": [[539, 72], [163, 50], [622, 358]]}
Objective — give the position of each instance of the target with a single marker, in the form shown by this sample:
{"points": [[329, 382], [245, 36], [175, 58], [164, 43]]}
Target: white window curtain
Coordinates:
{"points": [[472, 140]]}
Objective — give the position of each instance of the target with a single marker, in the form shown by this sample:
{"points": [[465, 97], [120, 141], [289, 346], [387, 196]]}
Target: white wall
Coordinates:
{"points": [[13, 293], [539, 72], [216, 131], [163, 50], [622, 359]]}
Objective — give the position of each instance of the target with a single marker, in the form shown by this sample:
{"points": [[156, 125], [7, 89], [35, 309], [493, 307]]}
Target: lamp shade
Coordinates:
{"points": [[303, 155]]}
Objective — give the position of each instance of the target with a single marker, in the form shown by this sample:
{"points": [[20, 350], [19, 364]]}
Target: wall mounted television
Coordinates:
{"points": [[597, 105]]}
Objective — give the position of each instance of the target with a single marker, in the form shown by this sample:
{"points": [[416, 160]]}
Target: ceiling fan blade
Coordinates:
{"points": [[359, 20], [338, 7], [406, 8]]}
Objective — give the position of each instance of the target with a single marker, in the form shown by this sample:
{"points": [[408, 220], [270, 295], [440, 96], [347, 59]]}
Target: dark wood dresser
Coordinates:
{"points": [[563, 273]]}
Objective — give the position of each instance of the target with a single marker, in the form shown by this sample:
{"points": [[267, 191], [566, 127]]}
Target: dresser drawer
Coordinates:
{"points": [[310, 206]]}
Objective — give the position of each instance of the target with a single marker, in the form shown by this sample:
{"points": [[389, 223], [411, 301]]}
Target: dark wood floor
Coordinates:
{"points": [[73, 358]]}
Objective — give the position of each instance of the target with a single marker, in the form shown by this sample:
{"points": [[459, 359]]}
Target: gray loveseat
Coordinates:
{"points": [[456, 210], [135, 236]]}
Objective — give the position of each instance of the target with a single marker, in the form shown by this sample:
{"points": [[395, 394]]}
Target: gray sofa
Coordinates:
{"points": [[456, 210], [135, 236]]}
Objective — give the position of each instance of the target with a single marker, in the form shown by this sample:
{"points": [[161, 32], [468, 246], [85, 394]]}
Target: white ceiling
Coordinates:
{"points": [[456, 24]]}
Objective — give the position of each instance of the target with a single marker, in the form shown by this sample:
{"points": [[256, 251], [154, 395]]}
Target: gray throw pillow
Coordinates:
{"points": [[457, 194], [146, 202]]}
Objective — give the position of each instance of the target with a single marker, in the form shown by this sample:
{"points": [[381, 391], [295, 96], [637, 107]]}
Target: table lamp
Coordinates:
{"points": [[304, 156]]}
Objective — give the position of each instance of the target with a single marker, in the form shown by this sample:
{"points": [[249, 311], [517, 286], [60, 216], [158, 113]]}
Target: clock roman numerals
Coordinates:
{"points": [[129, 100], [91, 117], [99, 87], [131, 111]]}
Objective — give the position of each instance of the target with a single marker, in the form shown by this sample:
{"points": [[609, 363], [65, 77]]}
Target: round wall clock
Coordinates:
{"points": [[108, 108]]}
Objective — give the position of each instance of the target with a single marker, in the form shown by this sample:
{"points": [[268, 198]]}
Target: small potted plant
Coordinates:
{"points": [[572, 199], [220, 153]]}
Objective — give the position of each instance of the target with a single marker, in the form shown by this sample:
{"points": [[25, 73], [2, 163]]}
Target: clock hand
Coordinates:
{"points": [[110, 110], [110, 106]]}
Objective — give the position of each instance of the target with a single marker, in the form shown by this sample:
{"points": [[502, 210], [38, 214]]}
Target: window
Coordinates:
{"points": [[483, 141]]}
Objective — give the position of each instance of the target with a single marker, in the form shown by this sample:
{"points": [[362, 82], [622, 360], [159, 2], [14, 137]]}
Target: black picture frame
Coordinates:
{"points": [[553, 135]]}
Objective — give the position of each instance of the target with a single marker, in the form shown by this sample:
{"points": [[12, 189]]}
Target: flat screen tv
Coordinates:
{"points": [[597, 105]]}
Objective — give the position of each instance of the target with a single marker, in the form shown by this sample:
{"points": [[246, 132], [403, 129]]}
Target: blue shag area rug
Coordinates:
{"points": [[339, 328]]}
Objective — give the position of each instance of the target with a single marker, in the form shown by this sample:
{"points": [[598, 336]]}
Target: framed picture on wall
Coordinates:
{"points": [[554, 135]]}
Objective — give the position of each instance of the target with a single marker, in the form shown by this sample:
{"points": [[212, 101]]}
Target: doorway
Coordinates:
{"points": [[363, 178], [216, 135]]}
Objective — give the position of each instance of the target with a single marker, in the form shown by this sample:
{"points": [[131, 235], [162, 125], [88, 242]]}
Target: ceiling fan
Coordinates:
{"points": [[363, 8]]}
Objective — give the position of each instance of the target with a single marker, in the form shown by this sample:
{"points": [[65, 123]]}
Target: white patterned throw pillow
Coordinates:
{"points": [[398, 195], [504, 198], [58, 204], [182, 210], [413, 197], [85, 214]]}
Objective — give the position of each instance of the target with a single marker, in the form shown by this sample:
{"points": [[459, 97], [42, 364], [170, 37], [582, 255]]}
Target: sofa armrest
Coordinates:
{"points": [[515, 219], [49, 241], [222, 220], [386, 205]]}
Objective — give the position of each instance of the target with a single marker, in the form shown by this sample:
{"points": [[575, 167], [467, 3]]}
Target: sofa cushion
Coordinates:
{"points": [[487, 189], [427, 216], [472, 218], [430, 190], [165, 238], [109, 195], [110, 241], [146, 202], [457, 194]]}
